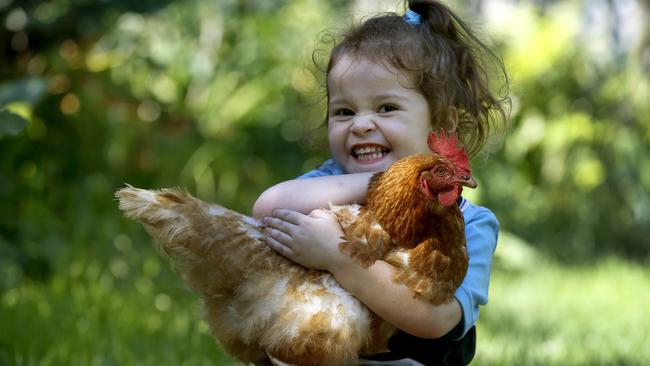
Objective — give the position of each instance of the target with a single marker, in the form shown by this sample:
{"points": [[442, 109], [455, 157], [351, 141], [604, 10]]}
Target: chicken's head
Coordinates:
{"points": [[445, 179]]}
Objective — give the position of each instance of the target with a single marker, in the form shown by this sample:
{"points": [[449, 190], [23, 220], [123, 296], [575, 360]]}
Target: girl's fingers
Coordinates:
{"points": [[284, 220], [290, 216], [280, 248], [278, 235], [278, 224]]}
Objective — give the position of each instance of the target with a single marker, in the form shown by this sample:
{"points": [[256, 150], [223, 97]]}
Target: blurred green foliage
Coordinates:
{"points": [[222, 97], [573, 176], [199, 94]]}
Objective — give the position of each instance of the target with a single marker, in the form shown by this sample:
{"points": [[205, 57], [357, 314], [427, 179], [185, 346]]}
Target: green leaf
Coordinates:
{"points": [[29, 90], [11, 124]]}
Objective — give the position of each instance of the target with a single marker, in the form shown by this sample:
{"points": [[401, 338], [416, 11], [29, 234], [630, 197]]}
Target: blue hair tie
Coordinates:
{"points": [[412, 17]]}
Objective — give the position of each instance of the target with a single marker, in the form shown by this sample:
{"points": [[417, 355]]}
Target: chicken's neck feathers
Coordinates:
{"points": [[403, 210]]}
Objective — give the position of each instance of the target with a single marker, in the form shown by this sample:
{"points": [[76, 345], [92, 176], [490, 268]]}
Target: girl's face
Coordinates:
{"points": [[374, 117]]}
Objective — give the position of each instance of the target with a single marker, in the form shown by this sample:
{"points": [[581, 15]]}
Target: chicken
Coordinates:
{"points": [[259, 305], [412, 221]]}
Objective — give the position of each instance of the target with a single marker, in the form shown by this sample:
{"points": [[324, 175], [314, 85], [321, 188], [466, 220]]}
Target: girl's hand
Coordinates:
{"points": [[309, 240]]}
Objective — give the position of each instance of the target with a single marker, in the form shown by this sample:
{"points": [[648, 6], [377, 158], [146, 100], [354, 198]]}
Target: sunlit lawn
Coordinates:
{"points": [[136, 312], [550, 315]]}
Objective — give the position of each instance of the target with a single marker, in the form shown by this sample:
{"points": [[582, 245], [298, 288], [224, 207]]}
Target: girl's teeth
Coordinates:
{"points": [[366, 150], [370, 153], [371, 156]]}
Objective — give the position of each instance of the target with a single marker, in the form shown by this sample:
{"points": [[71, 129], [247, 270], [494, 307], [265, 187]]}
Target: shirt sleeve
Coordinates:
{"points": [[329, 167], [481, 232]]}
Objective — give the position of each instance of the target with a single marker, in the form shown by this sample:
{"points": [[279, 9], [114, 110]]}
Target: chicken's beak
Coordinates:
{"points": [[467, 181]]}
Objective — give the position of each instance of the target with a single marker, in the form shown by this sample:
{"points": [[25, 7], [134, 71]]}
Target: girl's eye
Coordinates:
{"points": [[343, 112], [440, 171], [387, 108]]}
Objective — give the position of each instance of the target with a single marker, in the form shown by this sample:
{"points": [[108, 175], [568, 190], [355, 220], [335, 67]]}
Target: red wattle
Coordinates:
{"points": [[449, 198]]}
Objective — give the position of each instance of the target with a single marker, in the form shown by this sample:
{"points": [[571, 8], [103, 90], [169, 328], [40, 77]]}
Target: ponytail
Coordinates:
{"points": [[460, 64]]}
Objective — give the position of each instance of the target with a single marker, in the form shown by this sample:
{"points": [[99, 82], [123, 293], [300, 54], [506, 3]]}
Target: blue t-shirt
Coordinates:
{"points": [[481, 232]]}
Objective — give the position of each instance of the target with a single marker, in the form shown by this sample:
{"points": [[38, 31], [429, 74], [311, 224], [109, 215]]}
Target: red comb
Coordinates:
{"points": [[447, 146]]}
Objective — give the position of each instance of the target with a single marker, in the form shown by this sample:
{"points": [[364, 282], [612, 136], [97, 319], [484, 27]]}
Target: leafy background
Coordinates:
{"points": [[222, 97]]}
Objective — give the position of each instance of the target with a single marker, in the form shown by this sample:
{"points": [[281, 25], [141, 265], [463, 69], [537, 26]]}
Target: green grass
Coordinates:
{"points": [[115, 314], [552, 315], [132, 310]]}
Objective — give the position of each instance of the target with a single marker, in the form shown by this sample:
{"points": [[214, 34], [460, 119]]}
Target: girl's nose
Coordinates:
{"points": [[363, 124]]}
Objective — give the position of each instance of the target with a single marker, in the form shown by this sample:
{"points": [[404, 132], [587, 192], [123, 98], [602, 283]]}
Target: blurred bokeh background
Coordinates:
{"points": [[223, 97]]}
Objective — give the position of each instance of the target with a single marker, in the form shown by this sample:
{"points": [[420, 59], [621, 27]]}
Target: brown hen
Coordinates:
{"points": [[259, 305], [412, 221]]}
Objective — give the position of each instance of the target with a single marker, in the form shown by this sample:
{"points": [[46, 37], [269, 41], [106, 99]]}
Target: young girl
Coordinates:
{"points": [[390, 81]]}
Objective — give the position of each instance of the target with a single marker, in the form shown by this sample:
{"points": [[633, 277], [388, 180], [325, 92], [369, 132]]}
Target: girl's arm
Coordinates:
{"points": [[396, 303], [306, 195], [312, 241]]}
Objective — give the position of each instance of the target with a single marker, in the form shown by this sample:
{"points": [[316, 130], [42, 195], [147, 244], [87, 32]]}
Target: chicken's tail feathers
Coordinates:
{"points": [[165, 214], [149, 206], [189, 229]]}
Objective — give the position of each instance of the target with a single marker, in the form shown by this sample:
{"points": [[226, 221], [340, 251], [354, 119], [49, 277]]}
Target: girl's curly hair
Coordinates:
{"points": [[446, 61]]}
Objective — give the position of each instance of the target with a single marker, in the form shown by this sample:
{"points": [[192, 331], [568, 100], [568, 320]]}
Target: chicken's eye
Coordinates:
{"points": [[440, 171]]}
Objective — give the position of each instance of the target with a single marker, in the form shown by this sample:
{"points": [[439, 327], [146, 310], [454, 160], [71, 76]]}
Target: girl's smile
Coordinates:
{"points": [[369, 153]]}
